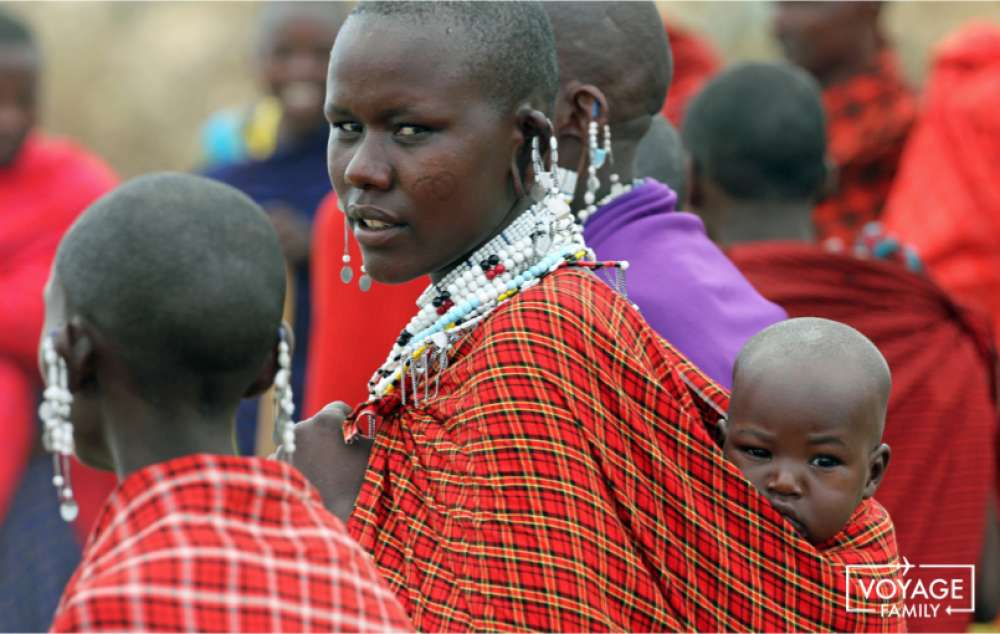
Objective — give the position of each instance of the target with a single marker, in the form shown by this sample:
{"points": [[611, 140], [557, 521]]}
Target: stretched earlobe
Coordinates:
{"points": [[878, 463], [531, 124]]}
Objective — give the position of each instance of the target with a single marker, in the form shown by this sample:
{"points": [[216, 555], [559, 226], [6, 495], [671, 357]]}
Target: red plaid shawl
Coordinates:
{"points": [[223, 544], [565, 480], [941, 422], [868, 120]]}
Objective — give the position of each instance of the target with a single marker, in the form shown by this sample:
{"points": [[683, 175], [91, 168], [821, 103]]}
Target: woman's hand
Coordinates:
{"points": [[335, 468]]}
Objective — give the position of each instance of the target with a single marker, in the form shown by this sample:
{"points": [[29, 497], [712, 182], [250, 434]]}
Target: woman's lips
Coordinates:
{"points": [[373, 233]]}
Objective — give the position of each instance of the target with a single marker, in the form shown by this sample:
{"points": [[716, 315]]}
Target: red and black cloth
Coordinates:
{"points": [[565, 479], [868, 119]]}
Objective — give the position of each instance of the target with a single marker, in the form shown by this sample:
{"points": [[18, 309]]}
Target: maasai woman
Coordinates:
{"points": [[541, 458]]}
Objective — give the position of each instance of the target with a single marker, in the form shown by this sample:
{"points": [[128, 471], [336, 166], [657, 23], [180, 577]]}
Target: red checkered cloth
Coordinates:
{"points": [[223, 544], [942, 363], [565, 479], [868, 120]]}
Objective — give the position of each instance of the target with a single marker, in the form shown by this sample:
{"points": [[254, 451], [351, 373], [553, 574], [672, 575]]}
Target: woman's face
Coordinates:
{"points": [[419, 157]]}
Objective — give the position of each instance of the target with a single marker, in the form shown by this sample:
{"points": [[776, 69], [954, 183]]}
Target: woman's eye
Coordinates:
{"points": [[826, 462], [756, 452], [411, 131], [347, 127]]}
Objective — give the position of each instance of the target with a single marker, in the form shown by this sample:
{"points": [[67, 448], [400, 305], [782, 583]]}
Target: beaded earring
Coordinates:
{"points": [[542, 183], [58, 435], [284, 405], [610, 156]]}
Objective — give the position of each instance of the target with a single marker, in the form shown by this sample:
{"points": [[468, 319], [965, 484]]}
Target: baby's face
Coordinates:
{"points": [[815, 457]]}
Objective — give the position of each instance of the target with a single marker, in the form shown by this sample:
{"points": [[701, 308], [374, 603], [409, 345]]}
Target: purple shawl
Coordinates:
{"points": [[683, 284]]}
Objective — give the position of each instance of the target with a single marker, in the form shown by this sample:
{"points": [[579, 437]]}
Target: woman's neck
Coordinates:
{"points": [[517, 208]]}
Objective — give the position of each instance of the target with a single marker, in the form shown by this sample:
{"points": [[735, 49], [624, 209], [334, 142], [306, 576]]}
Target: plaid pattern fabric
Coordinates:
{"points": [[223, 544], [565, 479], [943, 370], [868, 120]]}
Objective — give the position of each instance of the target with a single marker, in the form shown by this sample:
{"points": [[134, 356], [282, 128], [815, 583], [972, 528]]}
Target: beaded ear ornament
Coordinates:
{"points": [[57, 436], [540, 241]]}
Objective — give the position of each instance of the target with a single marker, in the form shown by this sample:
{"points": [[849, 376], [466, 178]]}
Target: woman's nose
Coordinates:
{"points": [[368, 167]]}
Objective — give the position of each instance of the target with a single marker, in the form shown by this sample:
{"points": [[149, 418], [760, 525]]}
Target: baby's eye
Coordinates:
{"points": [[756, 452], [826, 462]]}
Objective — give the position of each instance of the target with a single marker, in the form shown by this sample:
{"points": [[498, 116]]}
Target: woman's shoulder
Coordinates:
{"points": [[571, 309]]}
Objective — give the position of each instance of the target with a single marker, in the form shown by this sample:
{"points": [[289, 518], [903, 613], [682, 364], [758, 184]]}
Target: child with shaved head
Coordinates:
{"points": [[163, 309], [805, 421]]}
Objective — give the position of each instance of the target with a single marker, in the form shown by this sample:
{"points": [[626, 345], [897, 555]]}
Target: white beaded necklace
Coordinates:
{"points": [[539, 241]]}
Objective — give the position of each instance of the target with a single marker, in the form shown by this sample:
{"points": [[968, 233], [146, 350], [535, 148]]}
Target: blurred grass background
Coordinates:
{"points": [[133, 81]]}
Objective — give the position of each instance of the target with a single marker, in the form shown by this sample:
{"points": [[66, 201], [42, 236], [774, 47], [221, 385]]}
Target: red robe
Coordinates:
{"points": [[941, 424], [41, 193], [565, 479], [868, 119], [946, 200], [695, 62], [352, 330], [208, 543]]}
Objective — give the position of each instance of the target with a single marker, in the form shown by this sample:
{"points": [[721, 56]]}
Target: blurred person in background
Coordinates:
{"points": [[946, 199], [45, 183], [614, 69], [695, 62], [294, 41], [869, 107], [758, 144]]}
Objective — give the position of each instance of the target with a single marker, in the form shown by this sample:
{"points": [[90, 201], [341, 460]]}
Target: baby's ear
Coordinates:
{"points": [[878, 463]]}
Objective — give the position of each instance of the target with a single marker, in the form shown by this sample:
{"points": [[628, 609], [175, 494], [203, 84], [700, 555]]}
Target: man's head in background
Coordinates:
{"points": [[832, 40], [293, 51], [20, 63], [757, 140], [661, 156]]}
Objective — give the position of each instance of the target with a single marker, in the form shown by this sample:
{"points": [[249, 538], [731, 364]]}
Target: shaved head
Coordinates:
{"points": [[508, 46], [620, 47], [185, 277], [838, 356], [758, 130], [661, 156]]}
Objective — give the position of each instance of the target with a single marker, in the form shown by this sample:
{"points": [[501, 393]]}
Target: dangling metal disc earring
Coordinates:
{"points": [[365, 281], [346, 273]]}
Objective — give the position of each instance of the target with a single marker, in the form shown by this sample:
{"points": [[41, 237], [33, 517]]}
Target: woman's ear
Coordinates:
{"points": [[588, 104], [531, 124], [77, 346]]}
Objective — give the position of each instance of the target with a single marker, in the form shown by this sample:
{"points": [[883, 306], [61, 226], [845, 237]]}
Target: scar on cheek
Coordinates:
{"points": [[441, 185]]}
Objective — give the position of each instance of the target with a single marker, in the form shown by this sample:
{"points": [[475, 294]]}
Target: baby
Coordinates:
{"points": [[805, 421]]}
